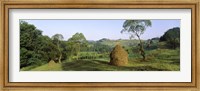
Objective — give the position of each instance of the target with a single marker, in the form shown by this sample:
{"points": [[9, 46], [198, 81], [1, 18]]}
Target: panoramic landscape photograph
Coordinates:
{"points": [[99, 45]]}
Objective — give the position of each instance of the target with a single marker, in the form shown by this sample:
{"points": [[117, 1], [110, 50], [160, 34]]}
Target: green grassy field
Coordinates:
{"points": [[157, 60], [83, 52], [123, 42]]}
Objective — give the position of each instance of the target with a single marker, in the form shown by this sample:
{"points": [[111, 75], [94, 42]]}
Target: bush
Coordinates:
{"points": [[35, 49], [172, 37], [87, 55]]}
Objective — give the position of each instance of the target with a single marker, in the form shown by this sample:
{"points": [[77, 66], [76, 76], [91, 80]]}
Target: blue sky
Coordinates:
{"points": [[98, 29]]}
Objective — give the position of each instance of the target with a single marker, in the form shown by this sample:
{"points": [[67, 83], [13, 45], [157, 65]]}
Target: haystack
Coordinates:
{"points": [[51, 63], [118, 56]]}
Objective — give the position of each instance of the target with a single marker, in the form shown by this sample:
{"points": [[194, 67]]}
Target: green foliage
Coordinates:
{"points": [[76, 43], [172, 36], [29, 38], [136, 28], [35, 49], [78, 54], [78, 37], [99, 47], [57, 39], [88, 55], [161, 60], [123, 42]]}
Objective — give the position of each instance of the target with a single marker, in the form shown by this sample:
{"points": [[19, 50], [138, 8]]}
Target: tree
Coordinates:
{"points": [[77, 43], [36, 49], [136, 28], [172, 37], [29, 51], [49, 49], [57, 38], [100, 48], [32, 45]]}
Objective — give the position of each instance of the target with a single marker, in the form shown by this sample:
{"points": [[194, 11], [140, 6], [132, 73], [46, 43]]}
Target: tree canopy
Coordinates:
{"points": [[77, 43], [57, 39], [172, 37], [136, 28], [35, 49]]}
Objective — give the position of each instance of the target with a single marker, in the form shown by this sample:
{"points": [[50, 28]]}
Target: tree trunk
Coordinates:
{"points": [[142, 52], [59, 60]]}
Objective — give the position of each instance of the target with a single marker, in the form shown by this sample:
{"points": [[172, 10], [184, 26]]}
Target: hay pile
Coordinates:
{"points": [[51, 63], [118, 56]]}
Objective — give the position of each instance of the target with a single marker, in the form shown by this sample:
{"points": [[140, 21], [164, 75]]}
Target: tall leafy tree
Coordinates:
{"points": [[172, 37], [36, 49], [137, 28], [57, 39], [48, 48], [30, 45], [76, 43]]}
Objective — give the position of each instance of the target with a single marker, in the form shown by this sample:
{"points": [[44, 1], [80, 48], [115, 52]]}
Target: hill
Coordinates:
{"points": [[112, 43]]}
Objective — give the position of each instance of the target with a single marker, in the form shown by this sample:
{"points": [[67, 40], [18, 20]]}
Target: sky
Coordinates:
{"points": [[98, 29]]}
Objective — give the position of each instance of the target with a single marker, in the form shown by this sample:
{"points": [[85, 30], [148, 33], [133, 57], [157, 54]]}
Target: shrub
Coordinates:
{"points": [[172, 37]]}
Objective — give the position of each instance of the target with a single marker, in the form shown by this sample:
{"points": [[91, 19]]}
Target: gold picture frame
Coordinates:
{"points": [[154, 86]]}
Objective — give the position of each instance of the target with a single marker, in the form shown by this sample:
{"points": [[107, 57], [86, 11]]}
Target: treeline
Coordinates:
{"points": [[37, 49], [172, 37], [169, 40]]}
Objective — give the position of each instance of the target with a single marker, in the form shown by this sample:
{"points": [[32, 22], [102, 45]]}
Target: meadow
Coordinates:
{"points": [[40, 52], [159, 58]]}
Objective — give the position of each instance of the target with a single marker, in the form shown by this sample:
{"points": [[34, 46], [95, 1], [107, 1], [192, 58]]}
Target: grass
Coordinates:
{"points": [[46, 67], [27, 68], [157, 60], [51, 66], [98, 65], [123, 42]]}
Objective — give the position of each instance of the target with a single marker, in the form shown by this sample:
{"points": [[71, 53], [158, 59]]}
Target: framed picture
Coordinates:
{"points": [[100, 45]]}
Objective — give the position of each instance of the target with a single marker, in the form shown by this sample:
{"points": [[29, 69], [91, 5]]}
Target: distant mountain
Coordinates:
{"points": [[103, 39], [112, 43], [91, 40]]}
